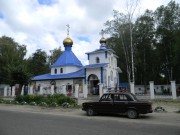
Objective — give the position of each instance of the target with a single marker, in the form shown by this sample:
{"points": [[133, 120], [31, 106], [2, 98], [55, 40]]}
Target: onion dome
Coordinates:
{"points": [[67, 41], [102, 40]]}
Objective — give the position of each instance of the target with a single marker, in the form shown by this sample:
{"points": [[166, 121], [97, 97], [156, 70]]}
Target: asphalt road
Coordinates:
{"points": [[26, 123]]}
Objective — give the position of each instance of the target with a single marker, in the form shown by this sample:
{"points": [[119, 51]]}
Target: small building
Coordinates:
{"points": [[101, 73]]}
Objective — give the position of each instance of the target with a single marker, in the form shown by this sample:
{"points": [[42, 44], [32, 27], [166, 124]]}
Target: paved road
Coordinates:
{"points": [[26, 123]]}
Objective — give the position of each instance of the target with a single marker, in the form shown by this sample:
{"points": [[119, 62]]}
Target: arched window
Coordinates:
{"points": [[97, 60], [55, 71], [61, 70]]}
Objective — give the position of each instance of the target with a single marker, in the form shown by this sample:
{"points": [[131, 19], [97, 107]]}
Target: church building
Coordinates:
{"points": [[68, 73]]}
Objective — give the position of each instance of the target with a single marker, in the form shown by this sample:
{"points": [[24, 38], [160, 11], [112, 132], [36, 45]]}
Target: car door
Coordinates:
{"points": [[105, 104], [120, 103]]}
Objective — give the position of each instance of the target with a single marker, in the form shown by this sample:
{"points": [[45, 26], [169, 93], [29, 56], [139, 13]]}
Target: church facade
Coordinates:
{"points": [[69, 75]]}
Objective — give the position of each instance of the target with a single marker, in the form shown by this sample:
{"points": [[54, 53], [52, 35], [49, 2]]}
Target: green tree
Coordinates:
{"points": [[144, 32], [176, 61], [38, 63], [120, 30], [54, 55], [168, 26], [12, 61]]}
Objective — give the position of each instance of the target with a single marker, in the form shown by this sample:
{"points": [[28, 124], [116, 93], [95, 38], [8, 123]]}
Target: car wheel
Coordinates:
{"points": [[90, 112], [132, 114]]}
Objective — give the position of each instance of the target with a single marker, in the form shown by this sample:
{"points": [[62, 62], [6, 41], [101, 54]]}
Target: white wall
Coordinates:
{"points": [[101, 55], [43, 83], [112, 66], [139, 89], [66, 69], [64, 82], [96, 71]]}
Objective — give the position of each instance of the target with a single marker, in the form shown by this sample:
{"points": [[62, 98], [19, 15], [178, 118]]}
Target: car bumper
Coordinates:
{"points": [[150, 111], [145, 112]]}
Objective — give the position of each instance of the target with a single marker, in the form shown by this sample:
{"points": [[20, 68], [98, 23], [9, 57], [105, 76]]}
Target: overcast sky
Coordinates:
{"points": [[41, 24]]}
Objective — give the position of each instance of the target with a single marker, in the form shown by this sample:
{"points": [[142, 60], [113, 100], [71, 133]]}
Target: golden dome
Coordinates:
{"points": [[102, 40], [68, 41]]}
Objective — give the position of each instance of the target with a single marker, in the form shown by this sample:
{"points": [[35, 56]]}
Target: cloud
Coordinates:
{"points": [[41, 24]]}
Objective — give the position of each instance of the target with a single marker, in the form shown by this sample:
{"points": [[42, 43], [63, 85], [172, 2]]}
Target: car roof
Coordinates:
{"points": [[118, 92]]}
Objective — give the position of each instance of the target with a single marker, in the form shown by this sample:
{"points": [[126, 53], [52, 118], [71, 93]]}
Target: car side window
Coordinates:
{"points": [[120, 97], [106, 97], [116, 97]]}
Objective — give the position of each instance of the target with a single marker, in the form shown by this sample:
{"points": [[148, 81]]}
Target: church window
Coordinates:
{"points": [[97, 60], [55, 71], [61, 70]]}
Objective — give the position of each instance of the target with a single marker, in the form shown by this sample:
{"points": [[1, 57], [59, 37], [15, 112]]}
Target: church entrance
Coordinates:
{"points": [[69, 90], [93, 87]]}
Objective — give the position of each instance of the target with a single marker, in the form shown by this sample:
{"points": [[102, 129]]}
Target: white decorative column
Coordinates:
{"points": [[13, 91], [100, 90], [104, 90], [9, 91], [85, 90], [22, 90], [132, 87], [5, 92], [173, 89], [64, 90], [52, 89], [76, 90], [41, 90], [31, 90], [151, 83]]}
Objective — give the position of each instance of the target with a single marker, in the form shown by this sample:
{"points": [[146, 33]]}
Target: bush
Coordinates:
{"points": [[1, 101], [39, 99], [33, 103]]}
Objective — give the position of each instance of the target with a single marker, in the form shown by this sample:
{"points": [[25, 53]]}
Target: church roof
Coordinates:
{"points": [[77, 74], [67, 58], [96, 65]]}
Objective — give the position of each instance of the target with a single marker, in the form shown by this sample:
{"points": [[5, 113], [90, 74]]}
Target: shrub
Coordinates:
{"points": [[53, 104], [43, 104], [8, 101], [33, 103], [24, 103], [59, 99], [1, 101]]}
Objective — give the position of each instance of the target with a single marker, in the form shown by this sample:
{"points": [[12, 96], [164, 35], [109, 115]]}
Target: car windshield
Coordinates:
{"points": [[134, 97]]}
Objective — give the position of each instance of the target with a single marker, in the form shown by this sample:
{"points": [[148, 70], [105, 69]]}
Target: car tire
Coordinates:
{"points": [[90, 112], [132, 114]]}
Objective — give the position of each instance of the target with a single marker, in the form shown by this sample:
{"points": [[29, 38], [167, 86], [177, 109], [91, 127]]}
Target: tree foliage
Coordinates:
{"points": [[54, 55], [156, 44], [15, 69], [38, 63], [168, 26], [12, 61]]}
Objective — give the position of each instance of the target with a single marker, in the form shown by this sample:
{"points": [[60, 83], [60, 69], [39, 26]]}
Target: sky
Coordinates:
{"points": [[41, 24]]}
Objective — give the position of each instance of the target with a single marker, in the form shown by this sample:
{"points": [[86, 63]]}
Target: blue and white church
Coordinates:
{"points": [[70, 77]]}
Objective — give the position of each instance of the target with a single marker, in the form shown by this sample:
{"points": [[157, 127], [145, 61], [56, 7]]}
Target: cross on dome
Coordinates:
{"points": [[68, 41], [102, 40], [102, 33], [68, 29]]}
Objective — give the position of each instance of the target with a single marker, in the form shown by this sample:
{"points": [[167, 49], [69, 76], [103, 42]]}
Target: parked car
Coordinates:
{"points": [[118, 102]]}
